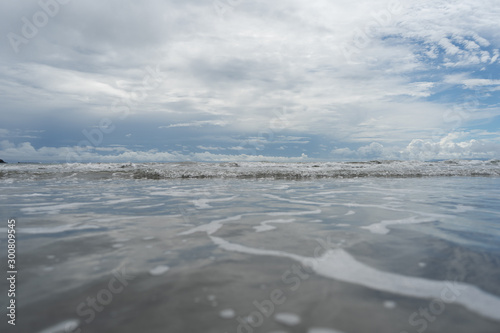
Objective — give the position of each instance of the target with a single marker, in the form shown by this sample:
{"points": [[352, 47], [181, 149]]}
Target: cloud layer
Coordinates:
{"points": [[187, 80]]}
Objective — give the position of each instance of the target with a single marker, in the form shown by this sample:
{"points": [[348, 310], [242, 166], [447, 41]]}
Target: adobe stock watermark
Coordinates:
{"points": [[422, 318], [87, 309], [122, 106], [279, 122], [362, 36], [32, 25], [292, 279], [462, 112], [222, 7]]}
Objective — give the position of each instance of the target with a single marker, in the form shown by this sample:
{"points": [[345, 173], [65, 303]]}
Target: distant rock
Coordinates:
{"points": [[2, 161]]}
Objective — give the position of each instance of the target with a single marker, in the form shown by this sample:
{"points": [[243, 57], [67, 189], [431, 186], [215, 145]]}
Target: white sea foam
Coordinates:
{"points": [[339, 265], [381, 227], [180, 193], [112, 219], [114, 202], [227, 313], [286, 318], [462, 209], [29, 195], [203, 203], [53, 209], [211, 227], [389, 304], [322, 330], [58, 229], [248, 170], [147, 206], [66, 326], [275, 197], [159, 270], [317, 211], [264, 225]]}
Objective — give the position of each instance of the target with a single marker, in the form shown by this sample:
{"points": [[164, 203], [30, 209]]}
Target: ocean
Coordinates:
{"points": [[380, 246]]}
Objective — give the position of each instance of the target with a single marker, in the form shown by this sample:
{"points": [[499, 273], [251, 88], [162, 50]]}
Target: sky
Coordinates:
{"points": [[249, 80]]}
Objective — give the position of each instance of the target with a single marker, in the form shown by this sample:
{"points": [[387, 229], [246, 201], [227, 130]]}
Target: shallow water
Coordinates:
{"points": [[364, 254]]}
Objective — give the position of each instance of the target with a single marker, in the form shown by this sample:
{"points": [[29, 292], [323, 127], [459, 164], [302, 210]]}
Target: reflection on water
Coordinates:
{"points": [[215, 255]]}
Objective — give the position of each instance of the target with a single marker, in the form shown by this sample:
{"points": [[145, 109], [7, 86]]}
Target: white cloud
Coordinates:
{"points": [[448, 46], [454, 145], [472, 83], [233, 73], [198, 124], [17, 133], [449, 148], [372, 151], [5, 144], [236, 148], [111, 149], [208, 148], [26, 152], [466, 80]]}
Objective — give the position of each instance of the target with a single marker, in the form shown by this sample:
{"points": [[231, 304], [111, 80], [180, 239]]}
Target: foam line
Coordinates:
{"points": [[264, 225], [275, 197], [381, 227], [203, 203], [339, 265], [53, 208], [57, 229], [211, 227], [317, 211]]}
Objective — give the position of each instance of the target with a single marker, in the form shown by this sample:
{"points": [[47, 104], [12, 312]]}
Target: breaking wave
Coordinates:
{"points": [[249, 170]]}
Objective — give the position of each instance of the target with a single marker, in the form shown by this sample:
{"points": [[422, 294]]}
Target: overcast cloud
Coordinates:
{"points": [[228, 80]]}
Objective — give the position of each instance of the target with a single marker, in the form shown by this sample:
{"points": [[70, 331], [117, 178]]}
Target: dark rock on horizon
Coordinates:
{"points": [[2, 161]]}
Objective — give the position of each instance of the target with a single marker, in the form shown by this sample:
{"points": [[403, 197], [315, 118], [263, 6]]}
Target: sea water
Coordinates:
{"points": [[254, 247]]}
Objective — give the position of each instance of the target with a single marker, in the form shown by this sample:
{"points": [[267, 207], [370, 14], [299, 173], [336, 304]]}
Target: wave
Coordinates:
{"points": [[249, 170]]}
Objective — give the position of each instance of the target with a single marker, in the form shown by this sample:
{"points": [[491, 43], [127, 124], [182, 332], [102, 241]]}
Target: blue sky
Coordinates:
{"points": [[159, 81]]}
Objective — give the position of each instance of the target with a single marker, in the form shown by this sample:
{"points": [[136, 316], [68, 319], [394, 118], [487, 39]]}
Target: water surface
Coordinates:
{"points": [[106, 250]]}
